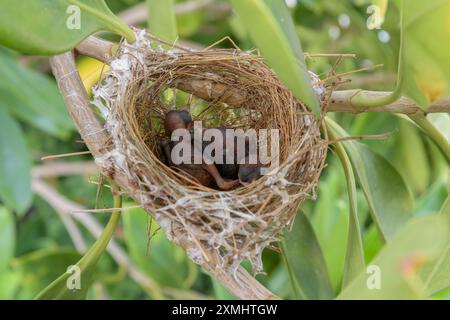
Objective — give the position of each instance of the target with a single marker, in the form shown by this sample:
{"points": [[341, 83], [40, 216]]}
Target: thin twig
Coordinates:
{"points": [[65, 155], [107, 210], [340, 75], [383, 136], [329, 55]]}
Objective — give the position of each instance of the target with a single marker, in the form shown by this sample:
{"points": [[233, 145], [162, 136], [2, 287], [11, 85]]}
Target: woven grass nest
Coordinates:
{"points": [[232, 89]]}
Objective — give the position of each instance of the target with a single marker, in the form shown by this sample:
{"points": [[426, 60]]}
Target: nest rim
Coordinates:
{"points": [[148, 71]]}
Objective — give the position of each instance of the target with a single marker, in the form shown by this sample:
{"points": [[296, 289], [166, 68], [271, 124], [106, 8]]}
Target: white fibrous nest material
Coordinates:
{"points": [[237, 90]]}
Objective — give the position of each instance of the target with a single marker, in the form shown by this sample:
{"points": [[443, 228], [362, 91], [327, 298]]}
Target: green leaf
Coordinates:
{"points": [[165, 263], [421, 239], [436, 275], [220, 292], [330, 221], [411, 157], [38, 268], [7, 238], [442, 122], [162, 20], [188, 24], [426, 47], [58, 289], [47, 27], [33, 98], [305, 261], [387, 194], [354, 258], [270, 26], [15, 166], [277, 281]]}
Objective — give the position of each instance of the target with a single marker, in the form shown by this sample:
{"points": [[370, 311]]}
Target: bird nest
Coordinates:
{"points": [[227, 88]]}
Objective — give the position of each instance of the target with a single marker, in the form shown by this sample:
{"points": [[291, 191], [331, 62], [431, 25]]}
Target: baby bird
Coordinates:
{"points": [[249, 173], [205, 174]]}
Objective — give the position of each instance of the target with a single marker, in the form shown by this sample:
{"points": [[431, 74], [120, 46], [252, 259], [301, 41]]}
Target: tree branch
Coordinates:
{"points": [[242, 284], [97, 48], [340, 101]]}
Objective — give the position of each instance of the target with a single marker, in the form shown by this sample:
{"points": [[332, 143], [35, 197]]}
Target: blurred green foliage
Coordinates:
{"points": [[402, 182], [60, 25]]}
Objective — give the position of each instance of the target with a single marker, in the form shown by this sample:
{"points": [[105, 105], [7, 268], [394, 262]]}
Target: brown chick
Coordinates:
{"points": [[182, 120]]}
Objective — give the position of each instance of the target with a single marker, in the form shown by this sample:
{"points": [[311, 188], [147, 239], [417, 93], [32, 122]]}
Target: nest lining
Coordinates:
{"points": [[236, 90]]}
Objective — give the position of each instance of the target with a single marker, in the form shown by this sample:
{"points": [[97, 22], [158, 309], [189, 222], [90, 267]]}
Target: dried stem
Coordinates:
{"points": [[65, 155], [242, 284]]}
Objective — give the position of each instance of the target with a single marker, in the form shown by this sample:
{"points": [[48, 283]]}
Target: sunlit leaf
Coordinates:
{"points": [[271, 28], [91, 70], [45, 27], [305, 261], [15, 181]]}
